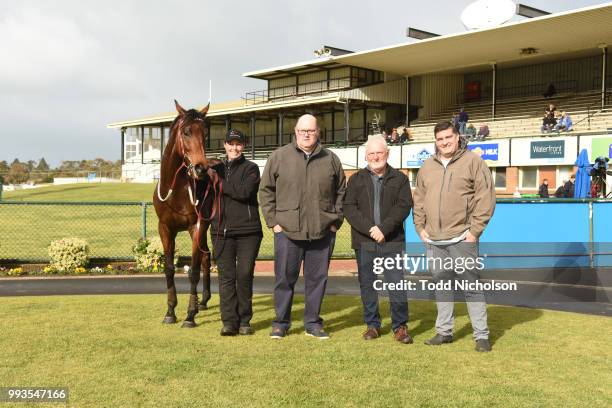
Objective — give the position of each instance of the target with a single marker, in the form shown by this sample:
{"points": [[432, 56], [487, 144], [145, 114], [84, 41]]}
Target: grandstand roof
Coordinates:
{"points": [[227, 108], [568, 33]]}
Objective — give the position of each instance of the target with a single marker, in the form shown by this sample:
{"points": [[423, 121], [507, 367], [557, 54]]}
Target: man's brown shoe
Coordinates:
{"points": [[401, 334], [371, 334]]}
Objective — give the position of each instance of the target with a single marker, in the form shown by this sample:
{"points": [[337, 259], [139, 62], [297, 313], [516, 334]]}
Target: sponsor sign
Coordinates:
{"points": [[553, 149]]}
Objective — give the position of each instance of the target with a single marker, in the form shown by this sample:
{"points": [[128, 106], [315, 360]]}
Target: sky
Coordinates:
{"points": [[68, 68]]}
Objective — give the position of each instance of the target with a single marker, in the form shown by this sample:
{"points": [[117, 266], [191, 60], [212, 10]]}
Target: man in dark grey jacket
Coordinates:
{"points": [[378, 200], [301, 193]]}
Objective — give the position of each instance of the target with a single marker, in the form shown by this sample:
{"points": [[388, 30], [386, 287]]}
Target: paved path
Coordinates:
{"points": [[595, 300]]}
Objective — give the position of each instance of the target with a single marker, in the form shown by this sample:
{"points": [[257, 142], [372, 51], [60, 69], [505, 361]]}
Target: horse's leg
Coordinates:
{"points": [[168, 241], [205, 271], [194, 276]]}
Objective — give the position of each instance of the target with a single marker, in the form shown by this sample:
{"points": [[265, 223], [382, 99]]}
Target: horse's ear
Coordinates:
{"points": [[179, 108], [204, 110]]}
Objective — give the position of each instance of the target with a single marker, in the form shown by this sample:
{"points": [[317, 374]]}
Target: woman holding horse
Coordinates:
{"points": [[236, 235]]}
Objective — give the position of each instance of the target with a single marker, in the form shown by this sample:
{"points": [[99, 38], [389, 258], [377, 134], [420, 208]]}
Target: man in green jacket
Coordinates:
{"points": [[301, 193], [454, 200]]}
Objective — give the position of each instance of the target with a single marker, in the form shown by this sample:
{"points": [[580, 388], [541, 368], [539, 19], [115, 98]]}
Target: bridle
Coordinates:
{"points": [[215, 182]]}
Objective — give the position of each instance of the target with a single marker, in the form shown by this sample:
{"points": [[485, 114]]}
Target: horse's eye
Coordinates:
{"points": [[187, 132]]}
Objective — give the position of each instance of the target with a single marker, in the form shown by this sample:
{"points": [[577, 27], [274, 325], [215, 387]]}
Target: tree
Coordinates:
{"points": [[18, 173], [42, 165]]}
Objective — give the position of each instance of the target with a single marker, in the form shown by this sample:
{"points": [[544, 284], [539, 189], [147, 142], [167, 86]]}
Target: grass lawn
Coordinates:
{"points": [[114, 351], [110, 230], [85, 192]]}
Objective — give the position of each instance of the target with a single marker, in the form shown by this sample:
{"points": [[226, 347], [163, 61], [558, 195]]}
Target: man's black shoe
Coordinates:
{"points": [[439, 339], [278, 332], [483, 345], [228, 331], [246, 330]]}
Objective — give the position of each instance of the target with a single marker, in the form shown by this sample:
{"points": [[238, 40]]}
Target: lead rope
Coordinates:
{"points": [[216, 207]]}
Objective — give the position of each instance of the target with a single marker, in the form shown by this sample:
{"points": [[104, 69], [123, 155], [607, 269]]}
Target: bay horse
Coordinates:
{"points": [[184, 200]]}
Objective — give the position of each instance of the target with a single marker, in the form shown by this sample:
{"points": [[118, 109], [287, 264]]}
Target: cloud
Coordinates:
{"points": [[70, 67]]}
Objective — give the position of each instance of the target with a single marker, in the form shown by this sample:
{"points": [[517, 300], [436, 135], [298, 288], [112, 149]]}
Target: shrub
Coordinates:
{"points": [[68, 254], [149, 255]]}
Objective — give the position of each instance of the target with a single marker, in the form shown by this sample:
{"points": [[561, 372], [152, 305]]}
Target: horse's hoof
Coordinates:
{"points": [[188, 324], [202, 306], [169, 320]]}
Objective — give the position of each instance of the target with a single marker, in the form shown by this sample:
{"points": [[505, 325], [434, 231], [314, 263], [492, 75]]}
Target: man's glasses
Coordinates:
{"points": [[376, 154], [304, 132]]}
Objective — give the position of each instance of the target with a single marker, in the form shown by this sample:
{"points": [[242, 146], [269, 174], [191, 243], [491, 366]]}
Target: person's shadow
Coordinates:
{"points": [[500, 319], [343, 312]]}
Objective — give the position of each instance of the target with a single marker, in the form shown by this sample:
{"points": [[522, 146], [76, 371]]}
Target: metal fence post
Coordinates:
{"points": [[144, 220], [591, 234]]}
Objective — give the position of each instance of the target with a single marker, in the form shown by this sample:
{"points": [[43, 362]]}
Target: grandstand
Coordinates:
{"points": [[523, 116], [500, 76]]}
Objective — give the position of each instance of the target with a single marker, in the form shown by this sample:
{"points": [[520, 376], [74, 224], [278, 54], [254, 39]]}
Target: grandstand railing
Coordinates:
{"points": [[567, 86]]}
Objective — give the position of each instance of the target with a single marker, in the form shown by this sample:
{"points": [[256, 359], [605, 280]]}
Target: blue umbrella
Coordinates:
{"points": [[582, 188]]}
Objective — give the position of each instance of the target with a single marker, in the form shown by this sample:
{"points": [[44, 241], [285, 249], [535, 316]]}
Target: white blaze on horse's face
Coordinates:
{"points": [[192, 132]]}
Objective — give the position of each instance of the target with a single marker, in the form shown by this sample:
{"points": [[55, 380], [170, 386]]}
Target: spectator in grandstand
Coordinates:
{"points": [[565, 123], [560, 191], [483, 132], [543, 192], [463, 120], [385, 135], [394, 136], [549, 121], [517, 193], [406, 135], [378, 200], [470, 132], [301, 193], [569, 187], [550, 91], [446, 182], [237, 236], [455, 121]]}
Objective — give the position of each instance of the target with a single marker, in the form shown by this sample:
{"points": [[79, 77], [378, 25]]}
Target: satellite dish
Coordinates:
{"points": [[487, 13]]}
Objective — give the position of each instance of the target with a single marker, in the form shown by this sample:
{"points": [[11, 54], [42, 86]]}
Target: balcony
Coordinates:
{"points": [[306, 89]]}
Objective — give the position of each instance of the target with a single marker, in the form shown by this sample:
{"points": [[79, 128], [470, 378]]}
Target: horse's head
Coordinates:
{"points": [[190, 134]]}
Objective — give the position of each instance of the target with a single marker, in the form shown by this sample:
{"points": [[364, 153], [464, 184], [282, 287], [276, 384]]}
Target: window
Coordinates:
{"points": [[529, 177], [152, 144], [166, 131], [132, 144], [412, 176], [500, 177], [563, 174]]}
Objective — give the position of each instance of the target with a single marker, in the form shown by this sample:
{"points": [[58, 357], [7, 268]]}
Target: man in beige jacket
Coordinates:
{"points": [[454, 200]]}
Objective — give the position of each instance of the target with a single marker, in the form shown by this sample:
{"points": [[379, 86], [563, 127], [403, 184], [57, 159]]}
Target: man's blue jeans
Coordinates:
{"points": [[398, 299]]}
